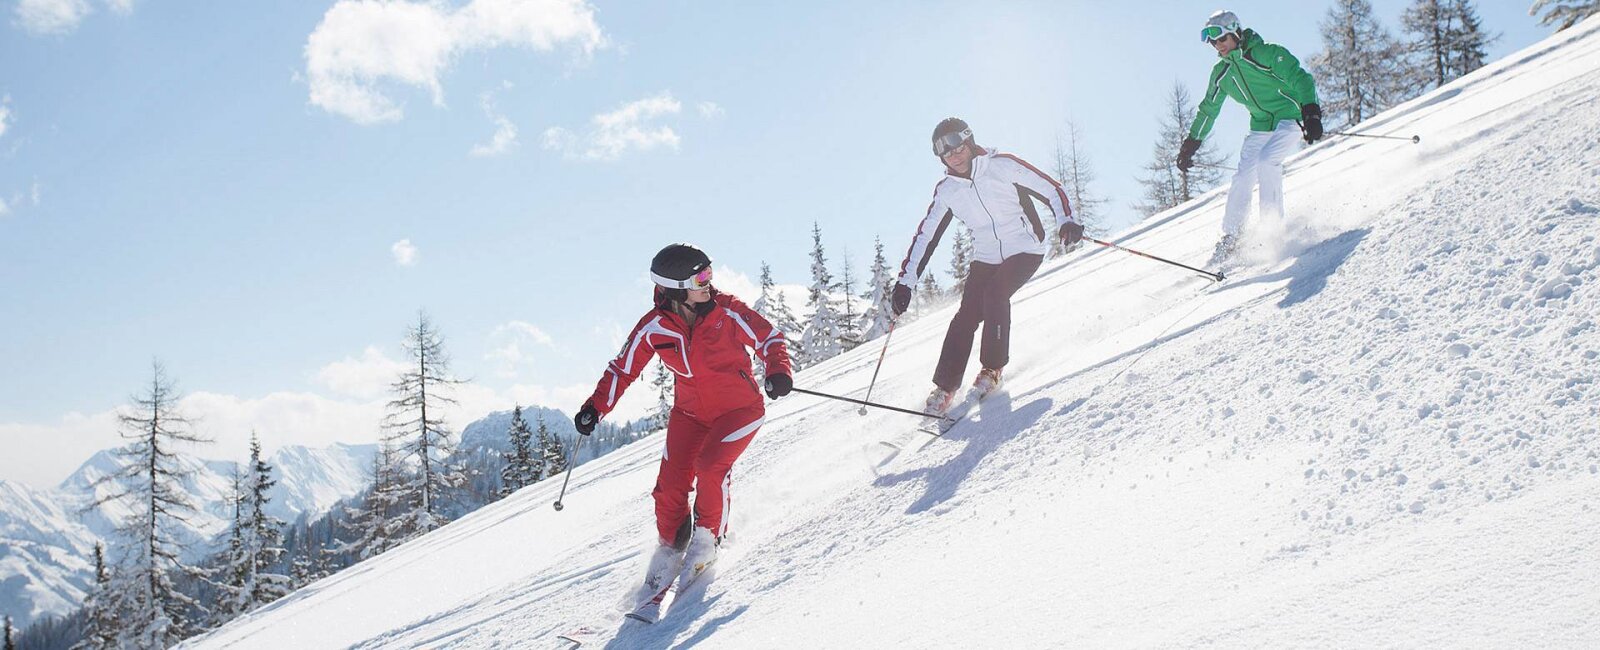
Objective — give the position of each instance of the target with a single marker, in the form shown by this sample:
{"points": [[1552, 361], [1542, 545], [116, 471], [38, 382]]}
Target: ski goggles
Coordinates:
{"points": [[1213, 33], [948, 142], [700, 281]]}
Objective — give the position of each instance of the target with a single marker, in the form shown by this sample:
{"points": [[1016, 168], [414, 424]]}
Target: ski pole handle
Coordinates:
{"points": [[1215, 276], [572, 460]]}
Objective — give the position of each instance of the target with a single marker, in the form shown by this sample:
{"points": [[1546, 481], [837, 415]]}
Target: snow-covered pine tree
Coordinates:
{"points": [[536, 461], [154, 613], [100, 609], [662, 380], [1167, 186], [1563, 13], [231, 570], [264, 541], [1360, 71], [1075, 171], [820, 341], [772, 305], [10, 643], [554, 452], [522, 466], [849, 336], [372, 518], [415, 422], [1445, 41], [879, 312], [960, 258], [929, 294]]}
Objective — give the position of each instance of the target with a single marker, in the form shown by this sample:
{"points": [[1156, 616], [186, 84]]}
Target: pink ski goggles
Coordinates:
{"points": [[700, 281]]}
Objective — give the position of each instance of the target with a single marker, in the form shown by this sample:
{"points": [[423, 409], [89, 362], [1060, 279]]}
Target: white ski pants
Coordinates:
{"points": [[1261, 160]]}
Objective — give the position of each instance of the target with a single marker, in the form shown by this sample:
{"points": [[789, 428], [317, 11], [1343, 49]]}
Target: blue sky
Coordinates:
{"points": [[263, 195]]}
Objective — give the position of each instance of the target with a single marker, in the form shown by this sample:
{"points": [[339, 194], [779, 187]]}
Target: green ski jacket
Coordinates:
{"points": [[1264, 77]]}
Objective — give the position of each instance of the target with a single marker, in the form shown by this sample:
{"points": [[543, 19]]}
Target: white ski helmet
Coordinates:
{"points": [[1219, 24]]}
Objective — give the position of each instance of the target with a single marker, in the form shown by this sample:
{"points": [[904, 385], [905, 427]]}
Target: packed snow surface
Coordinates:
{"points": [[1380, 431]]}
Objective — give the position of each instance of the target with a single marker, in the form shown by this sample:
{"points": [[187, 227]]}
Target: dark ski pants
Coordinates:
{"points": [[986, 300], [699, 457]]}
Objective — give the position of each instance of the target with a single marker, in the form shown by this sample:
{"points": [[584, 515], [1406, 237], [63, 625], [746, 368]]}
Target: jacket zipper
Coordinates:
{"points": [[993, 226], [751, 381]]}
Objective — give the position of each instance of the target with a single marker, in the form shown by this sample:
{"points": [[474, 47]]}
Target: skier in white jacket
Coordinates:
{"points": [[1001, 198]]}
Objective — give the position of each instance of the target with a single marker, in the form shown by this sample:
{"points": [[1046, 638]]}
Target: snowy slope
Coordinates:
{"points": [[1383, 430]]}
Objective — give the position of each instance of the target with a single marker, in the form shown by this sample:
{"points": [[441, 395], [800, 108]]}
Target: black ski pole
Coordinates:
{"points": [[875, 370], [573, 460], [1231, 169], [1214, 275], [885, 407], [1416, 139]]}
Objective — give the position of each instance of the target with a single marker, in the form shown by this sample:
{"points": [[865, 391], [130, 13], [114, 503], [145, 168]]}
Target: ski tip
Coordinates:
{"points": [[640, 617]]}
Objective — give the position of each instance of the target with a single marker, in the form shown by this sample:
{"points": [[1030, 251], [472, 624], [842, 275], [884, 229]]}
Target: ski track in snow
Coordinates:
{"points": [[1383, 430]]}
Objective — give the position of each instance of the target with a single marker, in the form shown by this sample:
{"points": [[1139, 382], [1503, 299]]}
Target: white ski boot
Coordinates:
{"points": [[702, 554], [1227, 247], [645, 604]]}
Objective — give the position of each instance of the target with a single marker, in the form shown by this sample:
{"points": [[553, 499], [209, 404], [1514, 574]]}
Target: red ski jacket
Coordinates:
{"points": [[710, 361]]}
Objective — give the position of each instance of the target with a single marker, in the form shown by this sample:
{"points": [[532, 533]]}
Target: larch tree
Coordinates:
{"points": [[415, 423], [154, 613], [1166, 186]]}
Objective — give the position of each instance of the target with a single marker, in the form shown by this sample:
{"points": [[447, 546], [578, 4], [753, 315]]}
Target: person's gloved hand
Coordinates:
{"points": [[902, 299], [1186, 154], [586, 419], [779, 385], [1071, 233], [1311, 122]]}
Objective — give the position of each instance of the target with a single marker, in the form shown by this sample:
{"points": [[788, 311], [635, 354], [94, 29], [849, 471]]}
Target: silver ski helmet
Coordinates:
{"points": [[1218, 25], [951, 132]]}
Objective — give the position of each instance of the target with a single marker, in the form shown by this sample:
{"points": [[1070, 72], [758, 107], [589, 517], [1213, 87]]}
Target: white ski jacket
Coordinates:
{"points": [[1000, 205]]}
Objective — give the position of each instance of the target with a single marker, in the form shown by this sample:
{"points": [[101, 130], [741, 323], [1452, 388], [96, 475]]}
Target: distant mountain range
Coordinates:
{"points": [[47, 537]]}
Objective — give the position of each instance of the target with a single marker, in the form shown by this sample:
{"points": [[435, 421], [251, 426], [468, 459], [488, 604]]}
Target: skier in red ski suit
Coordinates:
{"points": [[702, 336]]}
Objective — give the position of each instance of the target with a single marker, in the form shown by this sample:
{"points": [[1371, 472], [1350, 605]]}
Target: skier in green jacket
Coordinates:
{"points": [[1282, 99]]}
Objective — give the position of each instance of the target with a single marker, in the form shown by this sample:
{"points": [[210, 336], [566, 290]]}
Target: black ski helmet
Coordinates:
{"points": [[675, 267], [948, 126]]}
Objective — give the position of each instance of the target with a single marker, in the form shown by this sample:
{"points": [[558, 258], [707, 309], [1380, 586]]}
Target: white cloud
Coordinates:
{"points": [[33, 194], [405, 254], [614, 133], [366, 378], [123, 7], [51, 16], [5, 114], [710, 110], [511, 346], [4, 209], [505, 133], [362, 43]]}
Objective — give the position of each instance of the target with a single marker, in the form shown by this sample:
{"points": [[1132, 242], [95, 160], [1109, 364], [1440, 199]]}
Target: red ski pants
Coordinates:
{"points": [[699, 457]]}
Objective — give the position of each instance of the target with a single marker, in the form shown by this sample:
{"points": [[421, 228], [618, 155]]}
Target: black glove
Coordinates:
{"points": [[1071, 234], [1311, 122], [779, 385], [1186, 154], [902, 299], [586, 418]]}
